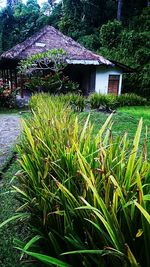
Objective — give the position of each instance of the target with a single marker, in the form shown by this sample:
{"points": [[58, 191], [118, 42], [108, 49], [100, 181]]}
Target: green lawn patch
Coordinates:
{"points": [[124, 120], [142, 111], [9, 256], [8, 111]]}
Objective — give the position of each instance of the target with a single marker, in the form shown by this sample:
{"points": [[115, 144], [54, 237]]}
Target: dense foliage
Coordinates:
{"points": [[94, 23], [44, 72], [129, 45], [110, 101], [89, 194], [7, 98], [75, 101]]}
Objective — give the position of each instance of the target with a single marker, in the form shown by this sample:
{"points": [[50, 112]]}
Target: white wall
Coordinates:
{"points": [[102, 78]]}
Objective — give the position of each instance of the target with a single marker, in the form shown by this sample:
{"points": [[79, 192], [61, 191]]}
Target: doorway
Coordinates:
{"points": [[113, 84]]}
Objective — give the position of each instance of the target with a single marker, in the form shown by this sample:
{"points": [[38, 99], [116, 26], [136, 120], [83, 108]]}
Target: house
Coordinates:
{"points": [[93, 72]]}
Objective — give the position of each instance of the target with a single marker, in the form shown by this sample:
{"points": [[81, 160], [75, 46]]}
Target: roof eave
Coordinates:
{"points": [[82, 61], [125, 68], [85, 62]]}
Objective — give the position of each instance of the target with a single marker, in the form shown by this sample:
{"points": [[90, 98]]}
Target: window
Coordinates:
{"points": [[113, 84], [40, 44]]}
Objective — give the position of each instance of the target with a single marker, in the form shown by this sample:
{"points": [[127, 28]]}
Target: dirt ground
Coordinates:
{"points": [[9, 131]]}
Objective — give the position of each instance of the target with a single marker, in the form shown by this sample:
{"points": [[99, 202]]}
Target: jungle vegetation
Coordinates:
{"points": [[116, 29]]}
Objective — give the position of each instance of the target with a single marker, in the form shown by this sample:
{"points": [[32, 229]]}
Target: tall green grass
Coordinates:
{"points": [[87, 196], [75, 101]]}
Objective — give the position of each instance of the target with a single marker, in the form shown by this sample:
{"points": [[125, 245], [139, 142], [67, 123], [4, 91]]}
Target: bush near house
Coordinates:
{"points": [[113, 101], [131, 100], [76, 101], [87, 197], [54, 83], [101, 100], [7, 98]]}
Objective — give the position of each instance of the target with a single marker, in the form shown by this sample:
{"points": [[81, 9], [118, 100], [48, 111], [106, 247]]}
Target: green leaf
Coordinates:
{"points": [[139, 232], [143, 211], [96, 251], [131, 161], [146, 197], [30, 243], [131, 258], [84, 251], [47, 259], [15, 217]]}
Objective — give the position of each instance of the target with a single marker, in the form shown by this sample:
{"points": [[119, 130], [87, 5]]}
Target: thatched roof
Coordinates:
{"points": [[50, 38]]}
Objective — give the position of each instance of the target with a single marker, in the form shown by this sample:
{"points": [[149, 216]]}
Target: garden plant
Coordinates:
{"points": [[86, 197], [111, 101]]}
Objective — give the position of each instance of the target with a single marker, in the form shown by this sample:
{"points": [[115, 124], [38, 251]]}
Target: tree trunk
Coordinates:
{"points": [[51, 2], [9, 3], [119, 12]]}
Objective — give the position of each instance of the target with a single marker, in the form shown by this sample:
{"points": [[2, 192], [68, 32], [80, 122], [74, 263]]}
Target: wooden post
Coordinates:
{"points": [[15, 73], [119, 11], [7, 75], [11, 82], [2, 75], [21, 86]]}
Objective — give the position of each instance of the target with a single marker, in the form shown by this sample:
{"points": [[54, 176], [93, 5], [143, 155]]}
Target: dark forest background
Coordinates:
{"points": [[117, 29]]}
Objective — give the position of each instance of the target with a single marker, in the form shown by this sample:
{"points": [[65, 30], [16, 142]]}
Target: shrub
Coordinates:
{"points": [[96, 100], [113, 101], [110, 34], [69, 86], [131, 100], [77, 102], [54, 83], [101, 100], [35, 100], [7, 100], [86, 195]]}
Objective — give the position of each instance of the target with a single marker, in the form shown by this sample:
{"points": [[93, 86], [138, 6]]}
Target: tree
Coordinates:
{"points": [[51, 2], [46, 8], [53, 60], [81, 17], [129, 45], [119, 11], [19, 23], [110, 34], [133, 8], [12, 3], [54, 82]]}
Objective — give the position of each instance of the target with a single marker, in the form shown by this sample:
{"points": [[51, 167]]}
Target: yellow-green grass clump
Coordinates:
{"points": [[87, 196]]}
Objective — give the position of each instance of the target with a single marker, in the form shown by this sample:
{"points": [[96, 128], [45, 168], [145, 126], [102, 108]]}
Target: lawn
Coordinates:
{"points": [[8, 111], [124, 120], [9, 256]]}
